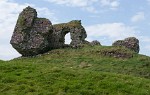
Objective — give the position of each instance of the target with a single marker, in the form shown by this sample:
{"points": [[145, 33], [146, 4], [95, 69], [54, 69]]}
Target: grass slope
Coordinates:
{"points": [[83, 71]]}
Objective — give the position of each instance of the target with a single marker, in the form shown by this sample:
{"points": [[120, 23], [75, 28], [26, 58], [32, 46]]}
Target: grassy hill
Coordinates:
{"points": [[88, 70]]}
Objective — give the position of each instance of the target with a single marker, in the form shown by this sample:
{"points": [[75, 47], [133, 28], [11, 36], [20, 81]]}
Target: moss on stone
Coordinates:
{"points": [[117, 52], [118, 43], [60, 26], [74, 23], [41, 19], [21, 21]]}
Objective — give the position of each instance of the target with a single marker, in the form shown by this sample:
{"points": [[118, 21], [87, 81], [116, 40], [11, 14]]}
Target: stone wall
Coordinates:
{"points": [[131, 43], [77, 34], [33, 35]]}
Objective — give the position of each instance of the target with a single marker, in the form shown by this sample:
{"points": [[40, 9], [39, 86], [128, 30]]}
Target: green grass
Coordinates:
{"points": [[83, 71]]}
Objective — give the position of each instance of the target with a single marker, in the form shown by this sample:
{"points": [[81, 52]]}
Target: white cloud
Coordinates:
{"points": [[8, 18], [91, 9], [88, 5], [144, 44], [9, 14], [74, 3], [84, 4], [140, 16], [112, 4], [111, 31], [7, 52], [147, 47], [145, 39], [46, 13]]}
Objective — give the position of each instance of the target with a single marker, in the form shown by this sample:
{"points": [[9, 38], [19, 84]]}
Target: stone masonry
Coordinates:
{"points": [[131, 43], [77, 34], [33, 35]]}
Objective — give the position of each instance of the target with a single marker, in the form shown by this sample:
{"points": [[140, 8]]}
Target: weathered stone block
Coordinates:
{"points": [[31, 33], [131, 43], [95, 42], [77, 33]]}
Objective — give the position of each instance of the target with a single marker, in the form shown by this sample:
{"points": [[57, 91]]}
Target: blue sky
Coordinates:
{"points": [[104, 20]]}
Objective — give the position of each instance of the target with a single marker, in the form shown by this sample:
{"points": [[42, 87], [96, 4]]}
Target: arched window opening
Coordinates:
{"points": [[67, 38]]}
